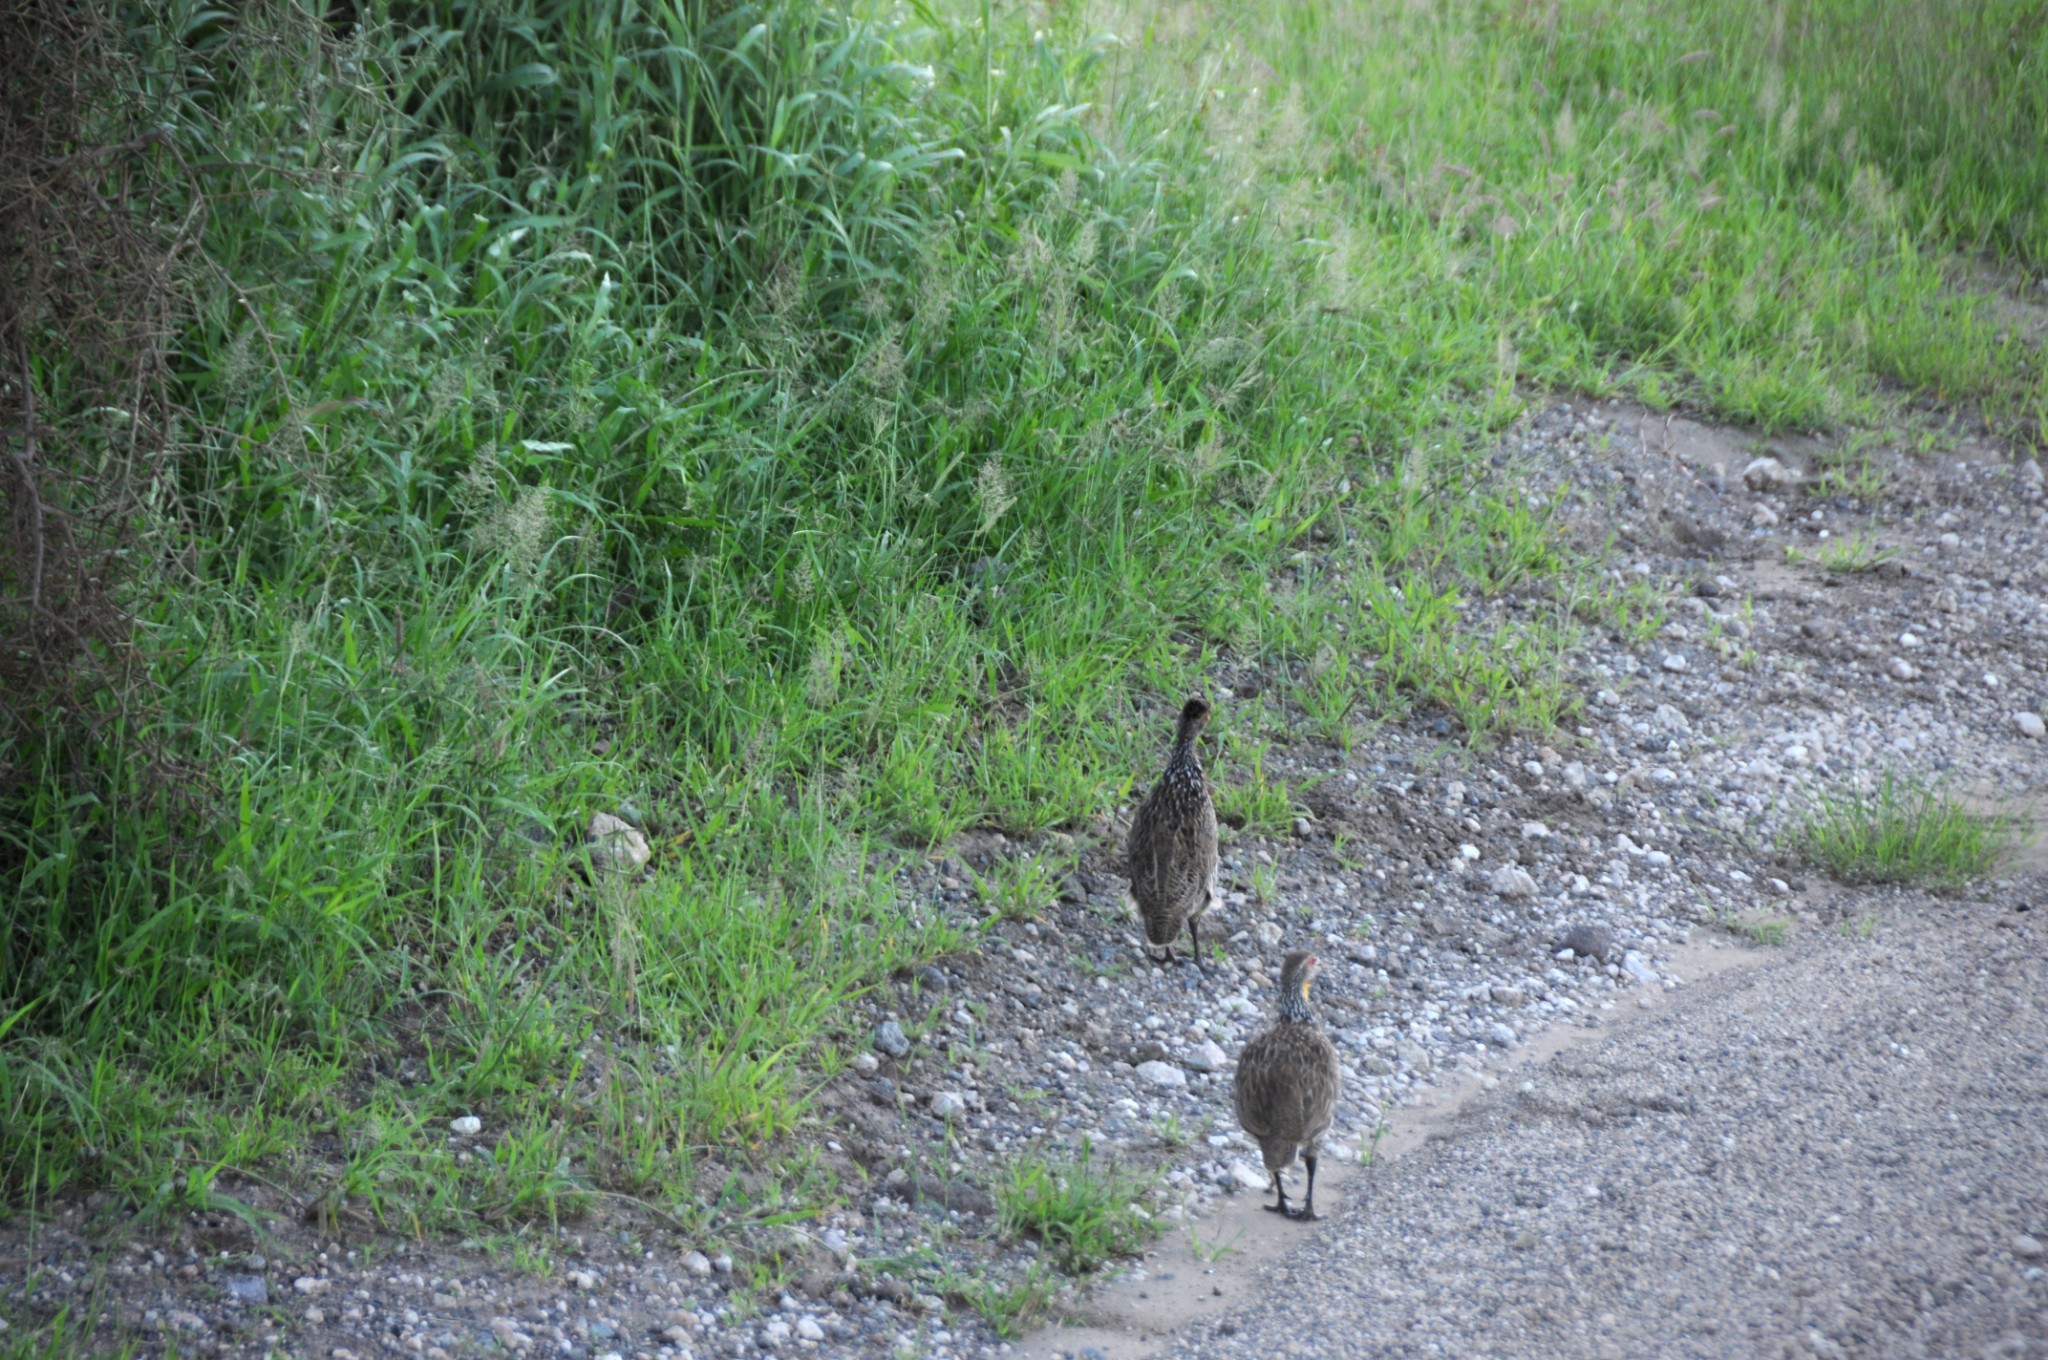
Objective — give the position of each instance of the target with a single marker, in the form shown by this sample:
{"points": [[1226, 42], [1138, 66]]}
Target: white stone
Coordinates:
{"points": [[1501, 1036], [1163, 1075], [1245, 1176], [1898, 668], [697, 1263], [616, 845], [310, 1284], [866, 1063], [582, 1279], [1675, 663], [1762, 516], [1768, 474], [465, 1126], [1638, 967], [1535, 831], [1468, 851], [2030, 725], [1207, 1056], [948, 1104], [809, 1330], [1269, 934]]}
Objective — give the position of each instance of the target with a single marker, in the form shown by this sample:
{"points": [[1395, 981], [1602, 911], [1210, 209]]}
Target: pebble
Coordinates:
{"points": [[465, 1126], [1535, 831], [948, 1104], [310, 1285], [890, 1038], [2027, 1245], [1898, 668], [1762, 516], [1637, 967], [866, 1064], [722, 1263], [809, 1330], [1161, 1074], [697, 1263], [1675, 663], [1501, 1035], [2030, 725], [1207, 1056], [1513, 882], [249, 1289]]}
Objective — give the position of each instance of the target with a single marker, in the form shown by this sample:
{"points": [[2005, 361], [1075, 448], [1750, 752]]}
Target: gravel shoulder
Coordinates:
{"points": [[1839, 1153]]}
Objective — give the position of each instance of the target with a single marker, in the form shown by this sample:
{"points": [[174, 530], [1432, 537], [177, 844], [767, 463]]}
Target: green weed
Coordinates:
{"points": [[1084, 1213], [1903, 832]]}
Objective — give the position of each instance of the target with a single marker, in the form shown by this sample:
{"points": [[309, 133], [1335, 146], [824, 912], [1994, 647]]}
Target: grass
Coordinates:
{"points": [[1903, 832], [1852, 554], [1084, 1213], [809, 433]]}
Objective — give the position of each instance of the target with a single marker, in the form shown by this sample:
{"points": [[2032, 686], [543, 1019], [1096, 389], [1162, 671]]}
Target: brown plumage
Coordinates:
{"points": [[1172, 846], [1287, 1085]]}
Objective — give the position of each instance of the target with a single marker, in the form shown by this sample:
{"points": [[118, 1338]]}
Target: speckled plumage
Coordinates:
{"points": [[1288, 1081], [1172, 845]]}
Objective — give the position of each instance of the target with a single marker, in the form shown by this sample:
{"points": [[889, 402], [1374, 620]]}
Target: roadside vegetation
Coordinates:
{"points": [[809, 432], [1905, 832]]}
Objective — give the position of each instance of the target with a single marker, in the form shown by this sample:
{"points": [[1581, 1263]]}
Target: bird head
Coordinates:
{"points": [[1297, 971], [1194, 716]]}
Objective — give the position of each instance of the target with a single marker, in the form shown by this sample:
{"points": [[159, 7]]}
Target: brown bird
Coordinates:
{"points": [[1287, 1085], [1172, 846]]}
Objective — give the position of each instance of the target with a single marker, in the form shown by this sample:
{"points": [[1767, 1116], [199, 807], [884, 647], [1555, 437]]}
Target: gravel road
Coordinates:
{"points": [[1843, 1153]]}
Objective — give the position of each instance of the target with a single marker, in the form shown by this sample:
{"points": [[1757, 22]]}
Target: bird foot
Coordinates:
{"points": [[1281, 1209], [1303, 1215]]}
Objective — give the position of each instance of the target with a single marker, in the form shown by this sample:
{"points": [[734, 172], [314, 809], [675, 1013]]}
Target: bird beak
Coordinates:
{"points": [[1304, 989]]}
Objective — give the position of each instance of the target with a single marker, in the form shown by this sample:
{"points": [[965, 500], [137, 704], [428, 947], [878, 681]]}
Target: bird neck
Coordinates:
{"points": [[1295, 1010], [1185, 753]]}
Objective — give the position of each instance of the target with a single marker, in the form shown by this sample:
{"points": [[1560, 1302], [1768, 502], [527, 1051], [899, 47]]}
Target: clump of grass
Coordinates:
{"points": [[1018, 887], [1903, 832], [1083, 1212], [1854, 553]]}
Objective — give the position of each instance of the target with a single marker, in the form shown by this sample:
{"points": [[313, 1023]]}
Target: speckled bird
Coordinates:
{"points": [[1172, 846], [1287, 1085]]}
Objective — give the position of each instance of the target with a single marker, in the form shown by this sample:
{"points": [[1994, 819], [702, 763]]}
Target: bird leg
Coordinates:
{"points": [[1280, 1189], [1307, 1213], [1195, 945]]}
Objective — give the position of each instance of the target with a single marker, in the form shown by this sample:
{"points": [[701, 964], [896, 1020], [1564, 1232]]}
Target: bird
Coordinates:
{"points": [[1287, 1085], [1172, 846]]}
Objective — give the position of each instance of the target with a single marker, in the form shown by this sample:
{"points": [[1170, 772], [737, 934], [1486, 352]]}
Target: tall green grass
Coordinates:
{"points": [[816, 431]]}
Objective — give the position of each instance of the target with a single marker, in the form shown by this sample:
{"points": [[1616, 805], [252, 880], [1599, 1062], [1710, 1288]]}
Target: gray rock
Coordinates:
{"points": [[1501, 1035], [2030, 725], [1638, 967], [1587, 942], [948, 1104], [722, 1263], [933, 979], [809, 1330], [1207, 1057], [697, 1263], [1513, 882], [2027, 1245], [890, 1038], [1163, 1075], [1674, 662], [249, 1289], [1898, 668], [866, 1063]]}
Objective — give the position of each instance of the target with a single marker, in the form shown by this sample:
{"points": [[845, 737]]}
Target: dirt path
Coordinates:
{"points": [[1841, 1152]]}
